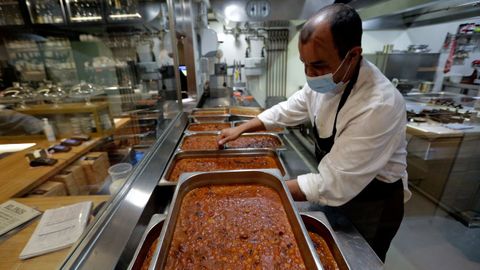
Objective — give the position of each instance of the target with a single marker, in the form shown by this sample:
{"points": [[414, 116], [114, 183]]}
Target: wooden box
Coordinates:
{"points": [[74, 179], [95, 165], [49, 189]]}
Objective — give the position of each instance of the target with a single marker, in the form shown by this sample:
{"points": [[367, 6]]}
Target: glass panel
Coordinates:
{"points": [[95, 96]]}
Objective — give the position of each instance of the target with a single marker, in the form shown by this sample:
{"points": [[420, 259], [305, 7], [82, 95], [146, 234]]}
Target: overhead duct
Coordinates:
{"points": [[234, 11], [390, 14]]}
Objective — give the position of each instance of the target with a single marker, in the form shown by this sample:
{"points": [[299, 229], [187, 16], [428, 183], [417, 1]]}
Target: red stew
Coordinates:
{"points": [[233, 227]]}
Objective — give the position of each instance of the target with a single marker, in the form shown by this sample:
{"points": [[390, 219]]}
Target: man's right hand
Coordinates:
{"points": [[229, 134]]}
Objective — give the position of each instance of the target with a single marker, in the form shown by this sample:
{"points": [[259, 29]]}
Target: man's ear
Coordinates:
{"points": [[356, 52]]}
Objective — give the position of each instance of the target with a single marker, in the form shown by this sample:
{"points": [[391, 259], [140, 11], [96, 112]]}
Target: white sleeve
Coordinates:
{"points": [[292, 112], [360, 151]]}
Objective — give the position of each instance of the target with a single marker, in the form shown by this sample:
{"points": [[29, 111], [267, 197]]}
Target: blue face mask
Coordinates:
{"points": [[324, 83]]}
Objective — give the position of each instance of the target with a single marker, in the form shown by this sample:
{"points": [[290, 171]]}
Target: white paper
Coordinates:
{"points": [[59, 228], [14, 214]]}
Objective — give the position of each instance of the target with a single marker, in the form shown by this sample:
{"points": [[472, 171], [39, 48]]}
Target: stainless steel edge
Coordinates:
{"points": [[101, 246], [187, 182]]}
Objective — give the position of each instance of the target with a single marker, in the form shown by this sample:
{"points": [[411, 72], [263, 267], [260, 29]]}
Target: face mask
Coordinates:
{"points": [[324, 83]]}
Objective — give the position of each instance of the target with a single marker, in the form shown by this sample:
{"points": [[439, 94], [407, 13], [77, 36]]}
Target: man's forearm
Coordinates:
{"points": [[252, 125], [295, 190]]}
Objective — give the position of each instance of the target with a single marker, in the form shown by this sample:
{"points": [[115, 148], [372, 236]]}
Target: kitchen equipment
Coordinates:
{"points": [[425, 86], [476, 66], [268, 178]]}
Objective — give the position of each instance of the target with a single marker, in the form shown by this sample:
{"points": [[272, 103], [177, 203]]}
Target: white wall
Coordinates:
{"points": [[374, 40], [295, 70]]}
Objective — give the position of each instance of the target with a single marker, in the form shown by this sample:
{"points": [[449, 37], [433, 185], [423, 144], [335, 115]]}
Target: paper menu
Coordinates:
{"points": [[14, 214], [59, 228]]}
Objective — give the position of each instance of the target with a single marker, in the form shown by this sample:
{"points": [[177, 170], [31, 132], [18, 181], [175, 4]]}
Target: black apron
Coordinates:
{"points": [[377, 210]]}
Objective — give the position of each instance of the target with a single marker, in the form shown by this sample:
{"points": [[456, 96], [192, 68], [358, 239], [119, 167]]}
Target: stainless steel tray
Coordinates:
{"points": [[227, 145], [204, 133], [201, 131], [237, 111], [213, 111], [209, 118], [221, 153], [152, 232], [280, 147], [269, 178], [312, 224], [239, 122]]}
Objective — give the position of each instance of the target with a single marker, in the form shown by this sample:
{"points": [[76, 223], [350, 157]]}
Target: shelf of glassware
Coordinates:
{"points": [[74, 118]]}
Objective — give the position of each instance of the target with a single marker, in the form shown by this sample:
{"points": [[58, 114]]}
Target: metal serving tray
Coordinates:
{"points": [[269, 178], [315, 225], [226, 146], [210, 118], [237, 111], [196, 134], [201, 131], [239, 122], [209, 111], [270, 134], [154, 228], [221, 153]]}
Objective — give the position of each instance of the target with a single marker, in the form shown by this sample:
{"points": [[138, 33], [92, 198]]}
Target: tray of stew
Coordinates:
{"points": [[144, 253], [245, 111], [208, 118], [207, 161], [207, 126], [325, 243], [209, 111], [234, 220], [256, 140], [200, 141]]}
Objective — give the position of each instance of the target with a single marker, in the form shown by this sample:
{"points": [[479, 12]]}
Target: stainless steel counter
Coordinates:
{"points": [[110, 242]]}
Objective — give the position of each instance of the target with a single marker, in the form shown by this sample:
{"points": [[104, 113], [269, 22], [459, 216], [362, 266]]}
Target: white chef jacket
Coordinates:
{"points": [[370, 140]]}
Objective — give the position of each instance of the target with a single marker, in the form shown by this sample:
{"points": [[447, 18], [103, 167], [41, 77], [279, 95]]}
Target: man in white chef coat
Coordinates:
{"points": [[359, 121]]}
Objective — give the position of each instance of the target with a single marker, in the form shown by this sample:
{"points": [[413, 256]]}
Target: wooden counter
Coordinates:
{"points": [[11, 247], [17, 177]]}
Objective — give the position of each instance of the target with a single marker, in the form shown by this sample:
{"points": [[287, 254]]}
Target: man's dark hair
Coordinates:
{"points": [[345, 25]]}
